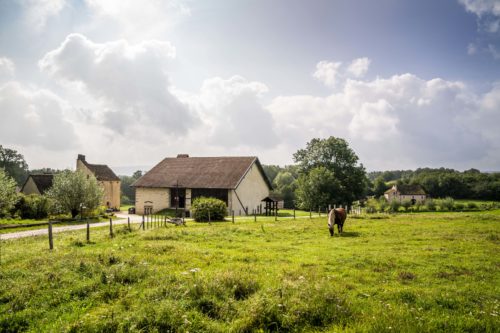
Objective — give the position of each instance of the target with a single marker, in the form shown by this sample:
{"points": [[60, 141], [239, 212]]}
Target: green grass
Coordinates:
{"points": [[422, 272]]}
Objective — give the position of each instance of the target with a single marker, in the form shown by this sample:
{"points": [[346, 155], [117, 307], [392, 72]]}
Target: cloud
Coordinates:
{"points": [[328, 72], [34, 117], [7, 68], [138, 19], [38, 12], [482, 7], [130, 81], [333, 73], [232, 113], [488, 23], [401, 120], [359, 67]]}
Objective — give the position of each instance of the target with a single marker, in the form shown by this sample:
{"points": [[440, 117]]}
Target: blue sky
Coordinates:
{"points": [[407, 83]]}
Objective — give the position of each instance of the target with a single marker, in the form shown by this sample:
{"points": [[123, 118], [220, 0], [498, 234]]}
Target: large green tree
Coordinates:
{"points": [[8, 195], [335, 155], [317, 188], [128, 192], [73, 190], [14, 164]]}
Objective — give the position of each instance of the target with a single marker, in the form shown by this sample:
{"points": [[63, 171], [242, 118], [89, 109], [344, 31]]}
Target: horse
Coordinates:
{"points": [[336, 216]]}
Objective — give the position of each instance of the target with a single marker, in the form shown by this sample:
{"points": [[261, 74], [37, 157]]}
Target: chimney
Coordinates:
{"points": [[81, 157], [182, 155]]}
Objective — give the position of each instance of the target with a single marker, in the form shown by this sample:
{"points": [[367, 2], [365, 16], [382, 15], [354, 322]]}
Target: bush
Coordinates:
{"points": [[33, 206], [430, 204], [447, 204], [406, 204], [459, 206], [394, 206], [203, 207], [471, 205], [382, 204]]}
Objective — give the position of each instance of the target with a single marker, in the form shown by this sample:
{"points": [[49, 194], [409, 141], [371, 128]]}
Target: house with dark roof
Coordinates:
{"points": [[37, 184], [105, 177], [176, 181], [401, 193]]}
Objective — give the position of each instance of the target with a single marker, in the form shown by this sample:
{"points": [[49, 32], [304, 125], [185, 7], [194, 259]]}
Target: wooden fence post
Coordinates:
{"points": [[111, 227], [208, 217], [128, 222], [319, 211], [143, 223], [88, 231], [310, 213], [51, 242], [276, 214], [232, 213], [294, 212], [254, 216]]}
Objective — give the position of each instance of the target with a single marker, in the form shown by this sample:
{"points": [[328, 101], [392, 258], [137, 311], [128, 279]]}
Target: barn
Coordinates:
{"points": [[176, 181], [400, 193]]}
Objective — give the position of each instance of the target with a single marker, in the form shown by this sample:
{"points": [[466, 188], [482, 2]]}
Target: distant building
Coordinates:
{"points": [[400, 193], [105, 177], [175, 182], [37, 184]]}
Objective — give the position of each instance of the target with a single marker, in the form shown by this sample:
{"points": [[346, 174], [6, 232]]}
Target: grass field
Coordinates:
{"points": [[421, 272]]}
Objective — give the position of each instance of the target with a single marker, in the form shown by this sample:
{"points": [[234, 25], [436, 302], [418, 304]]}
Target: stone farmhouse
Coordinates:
{"points": [[37, 184], [105, 177], [175, 182], [401, 193]]}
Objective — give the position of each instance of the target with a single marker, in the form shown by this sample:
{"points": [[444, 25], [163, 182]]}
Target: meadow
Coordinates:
{"points": [[425, 272]]}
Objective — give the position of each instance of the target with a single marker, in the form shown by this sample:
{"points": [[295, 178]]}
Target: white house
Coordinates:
{"points": [[175, 182], [401, 193]]}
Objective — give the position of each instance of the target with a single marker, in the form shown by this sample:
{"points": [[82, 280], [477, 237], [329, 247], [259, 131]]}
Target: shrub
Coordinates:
{"points": [[430, 204], [448, 203], [471, 205], [394, 206], [33, 206], [203, 207], [382, 204], [459, 206], [406, 204]]}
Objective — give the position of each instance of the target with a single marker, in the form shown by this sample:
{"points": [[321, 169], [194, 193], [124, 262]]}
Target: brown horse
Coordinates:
{"points": [[336, 216]]}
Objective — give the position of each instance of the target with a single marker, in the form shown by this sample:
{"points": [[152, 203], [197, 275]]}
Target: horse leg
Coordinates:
{"points": [[331, 231], [339, 227]]}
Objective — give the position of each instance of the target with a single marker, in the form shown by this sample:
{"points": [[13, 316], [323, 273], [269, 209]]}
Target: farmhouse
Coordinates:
{"points": [[37, 184], [400, 193], [175, 182], [105, 177]]}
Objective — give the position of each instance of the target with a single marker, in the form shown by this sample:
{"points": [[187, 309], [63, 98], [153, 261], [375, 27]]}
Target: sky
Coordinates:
{"points": [[127, 83]]}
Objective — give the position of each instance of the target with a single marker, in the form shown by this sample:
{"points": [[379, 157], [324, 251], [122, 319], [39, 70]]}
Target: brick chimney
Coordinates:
{"points": [[182, 155], [81, 157]]}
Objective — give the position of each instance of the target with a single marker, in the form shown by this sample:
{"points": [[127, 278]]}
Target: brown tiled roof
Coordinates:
{"points": [[43, 182], [200, 172], [102, 172]]}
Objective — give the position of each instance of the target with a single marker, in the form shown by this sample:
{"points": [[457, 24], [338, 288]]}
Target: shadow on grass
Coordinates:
{"points": [[350, 234]]}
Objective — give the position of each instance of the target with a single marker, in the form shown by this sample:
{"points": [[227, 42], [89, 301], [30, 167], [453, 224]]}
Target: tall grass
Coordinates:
{"points": [[403, 273]]}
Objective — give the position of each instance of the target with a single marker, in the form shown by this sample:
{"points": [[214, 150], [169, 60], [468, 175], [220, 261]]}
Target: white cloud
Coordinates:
{"points": [[138, 19], [402, 120], [34, 117], [482, 7], [232, 113], [333, 74], [37, 12], [7, 68], [328, 72], [359, 67], [130, 82]]}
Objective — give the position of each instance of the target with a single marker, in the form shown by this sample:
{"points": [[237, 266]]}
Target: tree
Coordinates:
{"points": [[8, 195], [14, 164], [335, 155], [73, 190], [128, 192], [285, 185], [317, 188], [379, 186]]}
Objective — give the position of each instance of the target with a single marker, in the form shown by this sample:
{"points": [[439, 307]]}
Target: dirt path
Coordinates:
{"points": [[44, 231]]}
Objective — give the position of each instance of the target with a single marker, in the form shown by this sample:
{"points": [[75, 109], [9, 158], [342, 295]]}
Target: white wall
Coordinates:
{"points": [[251, 190]]}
